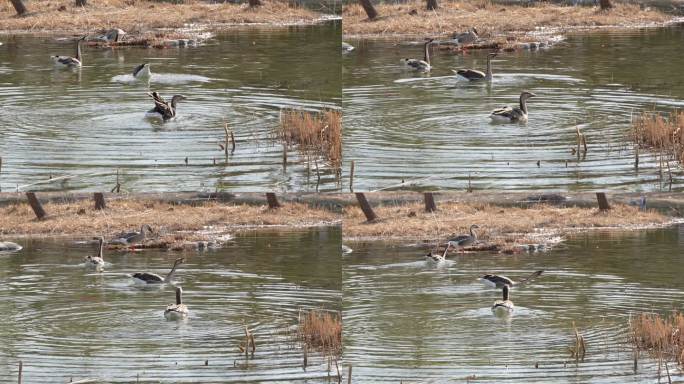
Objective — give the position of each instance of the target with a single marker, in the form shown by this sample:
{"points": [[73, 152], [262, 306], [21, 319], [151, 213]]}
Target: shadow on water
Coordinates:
{"points": [[64, 322], [405, 320], [90, 122], [400, 125]]}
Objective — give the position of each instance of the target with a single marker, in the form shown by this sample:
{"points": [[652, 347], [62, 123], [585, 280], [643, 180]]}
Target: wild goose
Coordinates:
{"points": [[346, 47], [475, 75], [179, 310], [436, 257], [466, 37], [132, 237], [499, 281], [505, 305], [8, 246], [96, 262], [162, 109], [463, 240], [142, 71], [153, 278], [68, 61], [110, 36], [420, 65], [515, 114]]}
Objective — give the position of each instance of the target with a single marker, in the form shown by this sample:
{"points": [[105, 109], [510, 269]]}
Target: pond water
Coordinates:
{"points": [[66, 323], [403, 126], [405, 320], [89, 123]]}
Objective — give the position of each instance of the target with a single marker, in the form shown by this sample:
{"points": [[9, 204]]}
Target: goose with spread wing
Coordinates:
{"points": [[153, 278], [162, 109]]}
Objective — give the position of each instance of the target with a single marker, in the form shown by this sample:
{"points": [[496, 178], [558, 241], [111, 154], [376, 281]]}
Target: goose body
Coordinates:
{"points": [[69, 61], [463, 240], [153, 278], [514, 114], [163, 110], [499, 281], [8, 246], [420, 65], [179, 310], [346, 47], [110, 36], [466, 37], [132, 237], [96, 262], [503, 306], [475, 75], [142, 71]]}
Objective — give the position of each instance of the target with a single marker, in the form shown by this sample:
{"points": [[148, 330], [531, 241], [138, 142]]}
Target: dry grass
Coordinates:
{"points": [[134, 15], [321, 330], [79, 218], [662, 337], [489, 18], [314, 134], [501, 228], [661, 133]]}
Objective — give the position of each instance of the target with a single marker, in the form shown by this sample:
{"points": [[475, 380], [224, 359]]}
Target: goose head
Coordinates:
{"points": [[176, 98], [526, 95]]}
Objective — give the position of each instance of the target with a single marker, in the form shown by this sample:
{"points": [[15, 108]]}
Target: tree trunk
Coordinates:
{"points": [[370, 10], [605, 4], [19, 7], [431, 5], [254, 3], [81, 3]]}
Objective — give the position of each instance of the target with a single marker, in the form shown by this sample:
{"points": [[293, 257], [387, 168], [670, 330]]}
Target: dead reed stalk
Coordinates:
{"points": [[662, 337], [316, 134], [579, 349]]}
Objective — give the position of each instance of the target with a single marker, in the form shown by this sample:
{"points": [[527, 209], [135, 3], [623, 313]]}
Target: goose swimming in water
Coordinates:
{"points": [[132, 237], [475, 75], [142, 71], [68, 61], [505, 305], [96, 262], [463, 240], [466, 37], [499, 281], [8, 246], [436, 257], [162, 109], [179, 310], [153, 278], [515, 114], [420, 65]]}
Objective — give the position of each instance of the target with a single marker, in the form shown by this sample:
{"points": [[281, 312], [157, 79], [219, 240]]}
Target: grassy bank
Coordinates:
{"points": [[176, 226], [505, 229], [135, 16], [489, 18]]}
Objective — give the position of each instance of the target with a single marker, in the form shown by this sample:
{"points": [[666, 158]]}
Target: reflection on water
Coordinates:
{"points": [[64, 322], [406, 320], [90, 123], [400, 125]]}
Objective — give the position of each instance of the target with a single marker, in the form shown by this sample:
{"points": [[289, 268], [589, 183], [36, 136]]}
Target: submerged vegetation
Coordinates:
{"points": [[490, 18], [662, 337], [663, 134], [315, 134]]}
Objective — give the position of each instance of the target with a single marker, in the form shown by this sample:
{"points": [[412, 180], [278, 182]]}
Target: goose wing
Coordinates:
{"points": [[161, 106], [416, 64], [137, 69], [497, 280], [459, 239], [149, 278], [470, 74], [507, 113], [68, 61]]}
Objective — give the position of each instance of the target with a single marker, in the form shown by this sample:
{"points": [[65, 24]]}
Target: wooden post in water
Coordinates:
{"points": [[0, 172], [21, 368], [351, 177], [99, 201], [430, 205], [35, 204], [349, 375], [602, 201], [366, 207], [272, 200], [284, 156]]}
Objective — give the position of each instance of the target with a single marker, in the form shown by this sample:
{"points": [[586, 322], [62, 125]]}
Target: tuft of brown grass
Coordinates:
{"points": [[80, 218], [663, 133], [316, 134], [501, 228], [488, 17], [132, 15], [662, 337], [320, 330]]}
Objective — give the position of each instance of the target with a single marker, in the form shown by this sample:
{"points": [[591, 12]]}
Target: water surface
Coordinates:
{"points": [[63, 322], [90, 123], [402, 126], [406, 320]]}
